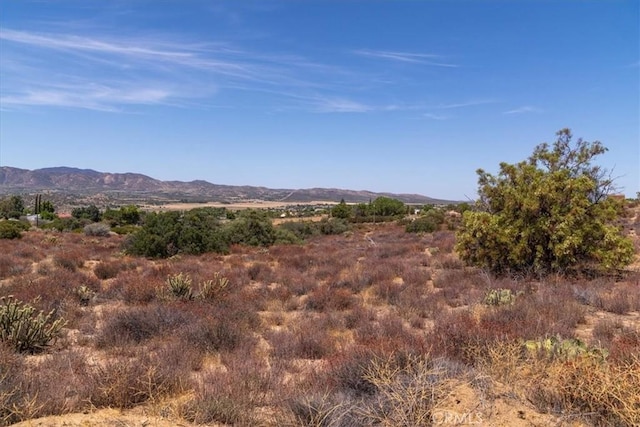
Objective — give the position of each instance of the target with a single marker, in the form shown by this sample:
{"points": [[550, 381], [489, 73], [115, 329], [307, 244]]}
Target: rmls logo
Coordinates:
{"points": [[445, 417]]}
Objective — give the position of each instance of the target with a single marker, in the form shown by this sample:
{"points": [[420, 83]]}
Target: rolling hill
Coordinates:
{"points": [[67, 180]]}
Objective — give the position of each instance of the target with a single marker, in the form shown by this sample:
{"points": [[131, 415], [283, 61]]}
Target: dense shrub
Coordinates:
{"points": [[301, 229], [169, 233], [66, 224], [11, 207], [422, 225], [91, 213], [333, 226], [97, 229], [253, 227], [125, 229], [129, 382], [108, 270], [341, 210], [548, 214], [12, 229], [138, 324], [126, 215]]}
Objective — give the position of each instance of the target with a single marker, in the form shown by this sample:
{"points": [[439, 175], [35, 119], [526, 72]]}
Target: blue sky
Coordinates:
{"points": [[400, 96]]}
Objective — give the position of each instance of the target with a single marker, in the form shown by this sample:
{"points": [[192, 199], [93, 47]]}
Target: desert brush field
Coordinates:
{"points": [[375, 326]]}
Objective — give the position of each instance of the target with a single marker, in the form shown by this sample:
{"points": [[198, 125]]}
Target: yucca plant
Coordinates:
{"points": [[85, 294], [24, 329], [499, 297], [212, 289], [180, 286]]}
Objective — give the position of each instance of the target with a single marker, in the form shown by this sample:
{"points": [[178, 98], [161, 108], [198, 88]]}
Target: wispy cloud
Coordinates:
{"points": [[465, 104], [417, 58], [89, 96], [340, 105], [109, 72], [79, 43], [435, 116], [113, 72], [523, 110]]}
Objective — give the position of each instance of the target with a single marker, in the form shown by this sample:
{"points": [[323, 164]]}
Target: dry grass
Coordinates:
{"points": [[374, 327]]}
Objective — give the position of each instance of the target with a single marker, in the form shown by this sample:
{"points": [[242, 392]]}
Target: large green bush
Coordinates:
{"points": [[428, 222], [202, 230], [90, 212], [12, 229], [341, 210], [252, 227], [549, 214], [126, 215], [169, 233], [11, 207]]}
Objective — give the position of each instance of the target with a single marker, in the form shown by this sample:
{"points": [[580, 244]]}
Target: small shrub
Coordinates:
{"points": [[107, 270], [309, 341], [604, 394], [134, 287], [422, 225], [139, 324], [325, 298], [97, 229], [212, 335], [625, 348], [126, 383], [347, 372], [23, 329], [261, 272], [125, 229], [334, 226], [407, 391], [12, 266], [11, 386], [69, 261], [320, 410]]}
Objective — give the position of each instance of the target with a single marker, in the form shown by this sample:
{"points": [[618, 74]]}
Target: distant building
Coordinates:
{"points": [[33, 218], [619, 197]]}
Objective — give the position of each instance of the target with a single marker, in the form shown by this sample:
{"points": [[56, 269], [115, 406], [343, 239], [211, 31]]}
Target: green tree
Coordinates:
{"points": [[252, 227], [429, 221], [47, 210], [362, 210], [11, 207], [91, 212], [129, 215], [549, 214], [386, 206], [12, 229], [126, 215], [166, 234], [341, 210]]}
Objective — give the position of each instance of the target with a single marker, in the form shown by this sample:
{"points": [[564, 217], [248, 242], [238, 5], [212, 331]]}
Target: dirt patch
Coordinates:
{"points": [[105, 418]]}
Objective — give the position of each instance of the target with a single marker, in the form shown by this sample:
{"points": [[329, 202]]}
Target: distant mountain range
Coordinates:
{"points": [[86, 181]]}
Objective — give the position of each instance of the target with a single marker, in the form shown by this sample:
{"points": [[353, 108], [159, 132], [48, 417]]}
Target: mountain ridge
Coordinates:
{"points": [[70, 180]]}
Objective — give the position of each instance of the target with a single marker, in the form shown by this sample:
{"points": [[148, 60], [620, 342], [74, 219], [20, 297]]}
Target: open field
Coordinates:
{"points": [[373, 327]]}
